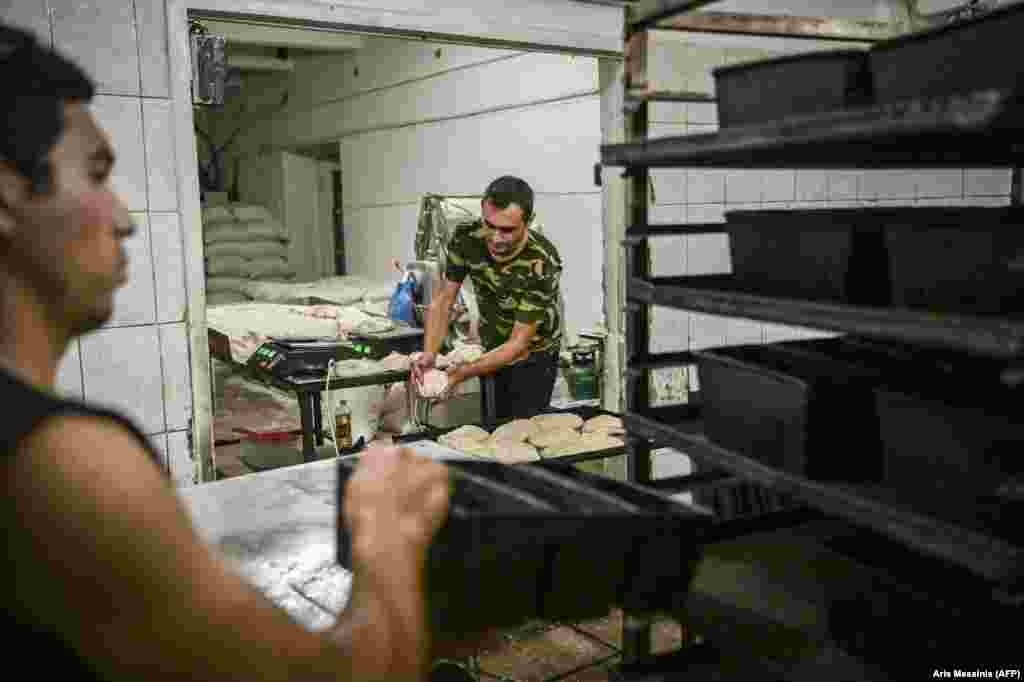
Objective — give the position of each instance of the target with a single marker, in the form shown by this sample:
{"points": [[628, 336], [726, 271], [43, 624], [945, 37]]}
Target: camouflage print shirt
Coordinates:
{"points": [[524, 289]]}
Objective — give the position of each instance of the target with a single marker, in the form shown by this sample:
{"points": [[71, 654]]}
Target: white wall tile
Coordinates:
{"points": [[704, 113], [670, 330], [69, 372], [666, 214], [151, 25], [811, 185], [661, 129], [705, 186], [707, 331], [177, 380], [667, 463], [30, 15], [708, 254], [944, 182], [100, 35], [135, 302], [169, 266], [743, 186], [778, 185], [162, 177], [986, 181], [122, 371], [668, 256], [987, 201], [705, 213], [669, 185], [159, 442], [773, 333], [843, 185], [121, 119], [888, 184], [667, 112], [739, 331], [180, 463]]}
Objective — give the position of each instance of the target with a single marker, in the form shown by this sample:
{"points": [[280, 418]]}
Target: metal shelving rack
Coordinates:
{"points": [[979, 129]]}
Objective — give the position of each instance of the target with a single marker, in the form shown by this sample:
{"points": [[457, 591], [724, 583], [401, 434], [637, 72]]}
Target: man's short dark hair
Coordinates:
{"points": [[36, 82], [511, 190]]}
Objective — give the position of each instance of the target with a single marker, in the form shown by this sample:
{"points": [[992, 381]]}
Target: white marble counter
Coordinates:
{"points": [[279, 529]]}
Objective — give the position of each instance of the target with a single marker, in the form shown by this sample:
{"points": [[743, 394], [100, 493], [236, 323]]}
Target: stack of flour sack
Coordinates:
{"points": [[243, 243]]}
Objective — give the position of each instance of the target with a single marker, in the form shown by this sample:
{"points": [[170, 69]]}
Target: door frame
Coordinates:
{"points": [[566, 26]]}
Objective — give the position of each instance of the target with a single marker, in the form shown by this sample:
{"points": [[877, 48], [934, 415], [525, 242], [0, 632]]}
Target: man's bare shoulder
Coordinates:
{"points": [[93, 451]]}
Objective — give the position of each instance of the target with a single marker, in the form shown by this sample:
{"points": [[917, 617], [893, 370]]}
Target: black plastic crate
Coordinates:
{"points": [[834, 255], [526, 542], [967, 56], [486, 563], [661, 543], [967, 260], [802, 412], [963, 446], [794, 85]]}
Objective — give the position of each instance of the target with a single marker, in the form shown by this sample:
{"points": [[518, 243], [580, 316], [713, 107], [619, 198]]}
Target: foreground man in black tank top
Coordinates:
{"points": [[104, 577]]}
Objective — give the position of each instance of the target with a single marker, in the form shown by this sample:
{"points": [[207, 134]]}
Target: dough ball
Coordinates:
{"points": [[517, 430], [554, 437], [545, 422], [434, 383], [604, 423], [591, 442], [513, 452], [468, 433]]}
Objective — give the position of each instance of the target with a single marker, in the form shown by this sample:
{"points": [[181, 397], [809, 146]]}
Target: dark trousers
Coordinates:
{"points": [[521, 390]]}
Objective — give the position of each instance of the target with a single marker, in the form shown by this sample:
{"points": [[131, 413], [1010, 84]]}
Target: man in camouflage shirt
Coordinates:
{"points": [[515, 273]]}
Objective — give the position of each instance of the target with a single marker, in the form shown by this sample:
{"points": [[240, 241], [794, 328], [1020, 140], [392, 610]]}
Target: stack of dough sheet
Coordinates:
{"points": [[347, 290], [249, 325]]}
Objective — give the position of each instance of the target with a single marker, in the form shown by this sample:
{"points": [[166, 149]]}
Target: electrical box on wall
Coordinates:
{"points": [[212, 79]]}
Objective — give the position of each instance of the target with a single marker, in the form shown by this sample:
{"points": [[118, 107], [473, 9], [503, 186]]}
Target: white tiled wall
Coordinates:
{"points": [[138, 363]]}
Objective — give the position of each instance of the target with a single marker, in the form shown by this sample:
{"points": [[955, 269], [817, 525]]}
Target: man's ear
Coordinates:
{"points": [[13, 188]]}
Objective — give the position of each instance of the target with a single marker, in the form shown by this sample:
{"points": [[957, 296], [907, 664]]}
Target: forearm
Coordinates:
{"points": [[383, 633], [491, 362], [437, 323]]}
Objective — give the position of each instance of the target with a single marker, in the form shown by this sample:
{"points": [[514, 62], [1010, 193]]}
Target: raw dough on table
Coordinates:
{"points": [[395, 362], [545, 422], [468, 432], [517, 430], [552, 438], [512, 452], [605, 423], [591, 442], [434, 383]]}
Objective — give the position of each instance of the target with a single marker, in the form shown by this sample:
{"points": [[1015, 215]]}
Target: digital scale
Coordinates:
{"points": [[310, 355]]}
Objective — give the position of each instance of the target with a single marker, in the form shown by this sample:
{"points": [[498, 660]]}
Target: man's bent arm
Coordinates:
{"points": [[517, 346], [109, 560], [439, 315]]}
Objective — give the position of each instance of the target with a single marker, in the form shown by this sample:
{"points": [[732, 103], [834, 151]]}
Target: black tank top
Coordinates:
{"points": [[26, 408]]}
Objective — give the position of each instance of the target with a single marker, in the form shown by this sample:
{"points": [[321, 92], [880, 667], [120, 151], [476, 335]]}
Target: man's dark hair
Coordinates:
{"points": [[36, 82], [511, 190]]}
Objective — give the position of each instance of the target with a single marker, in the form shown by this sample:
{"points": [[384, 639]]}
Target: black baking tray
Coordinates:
{"points": [[524, 542], [959, 57], [793, 85], [833, 255], [956, 444], [802, 412], [967, 260]]}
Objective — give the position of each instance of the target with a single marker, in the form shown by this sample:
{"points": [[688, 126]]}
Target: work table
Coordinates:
{"points": [[278, 528]]}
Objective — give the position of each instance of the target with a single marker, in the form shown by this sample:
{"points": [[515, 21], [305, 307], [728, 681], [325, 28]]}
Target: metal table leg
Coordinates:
{"points": [[318, 419], [636, 637], [307, 416]]}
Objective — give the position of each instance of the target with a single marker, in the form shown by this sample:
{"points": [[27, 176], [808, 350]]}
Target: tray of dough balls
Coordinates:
{"points": [[570, 436]]}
